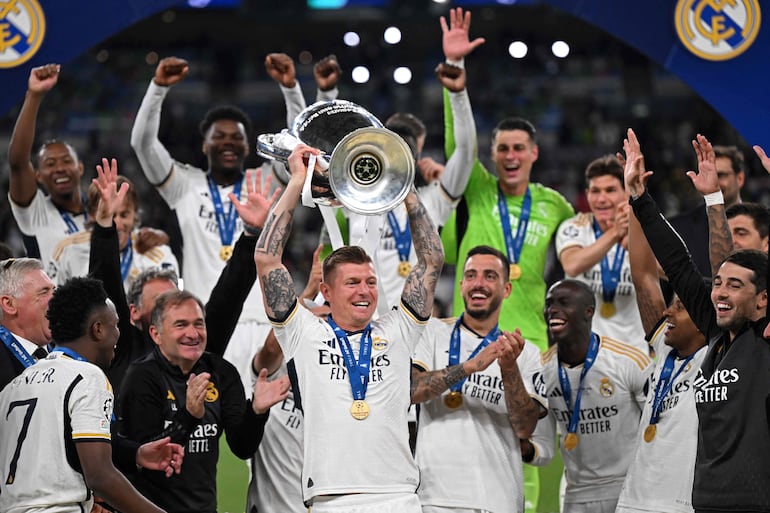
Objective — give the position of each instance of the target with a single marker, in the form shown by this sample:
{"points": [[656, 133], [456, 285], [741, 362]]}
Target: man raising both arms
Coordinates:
{"points": [[353, 372]]}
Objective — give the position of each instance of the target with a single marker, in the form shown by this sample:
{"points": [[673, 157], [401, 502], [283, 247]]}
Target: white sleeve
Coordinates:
{"points": [[570, 234], [457, 171], [152, 155], [331, 94], [294, 100], [531, 370], [90, 407], [423, 356], [544, 441]]}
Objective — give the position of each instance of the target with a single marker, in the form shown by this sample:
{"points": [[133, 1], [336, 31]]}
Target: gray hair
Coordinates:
{"points": [[12, 274], [134, 296]]}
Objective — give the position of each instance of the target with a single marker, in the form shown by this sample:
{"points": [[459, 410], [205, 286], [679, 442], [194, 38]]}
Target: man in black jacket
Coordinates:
{"points": [[732, 391]]}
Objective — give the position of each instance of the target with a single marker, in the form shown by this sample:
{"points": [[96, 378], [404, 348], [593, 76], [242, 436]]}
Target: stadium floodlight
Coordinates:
{"points": [[560, 49], [402, 75], [351, 38], [518, 49], [392, 35], [360, 74]]}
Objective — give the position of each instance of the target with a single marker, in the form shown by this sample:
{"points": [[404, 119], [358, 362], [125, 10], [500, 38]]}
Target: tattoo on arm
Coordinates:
{"points": [[276, 233], [720, 240], [428, 385], [421, 282], [522, 410], [279, 292], [650, 310]]}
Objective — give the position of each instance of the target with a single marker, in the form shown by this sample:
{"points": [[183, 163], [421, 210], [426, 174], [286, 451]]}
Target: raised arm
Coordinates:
{"points": [[420, 285], [427, 385], [327, 73], [276, 281], [152, 155], [457, 171], [280, 67], [23, 184], [707, 183]]}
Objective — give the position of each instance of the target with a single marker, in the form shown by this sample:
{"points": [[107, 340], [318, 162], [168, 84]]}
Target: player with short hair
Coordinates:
{"points": [[749, 225], [492, 399]]}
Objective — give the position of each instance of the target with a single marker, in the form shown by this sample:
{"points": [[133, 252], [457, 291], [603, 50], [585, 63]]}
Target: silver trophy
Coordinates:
{"points": [[370, 169]]}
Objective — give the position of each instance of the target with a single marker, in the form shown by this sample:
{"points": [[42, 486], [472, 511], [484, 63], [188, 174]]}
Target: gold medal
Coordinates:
{"points": [[570, 441], [225, 253], [359, 409], [649, 432], [608, 309], [514, 272], [404, 268], [453, 400]]}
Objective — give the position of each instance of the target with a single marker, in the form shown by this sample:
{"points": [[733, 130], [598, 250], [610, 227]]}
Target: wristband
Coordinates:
{"points": [[252, 230], [459, 64], [715, 198]]}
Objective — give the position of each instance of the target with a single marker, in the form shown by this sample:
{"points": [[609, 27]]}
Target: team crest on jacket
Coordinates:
{"points": [[212, 394], [22, 28], [606, 388], [717, 30]]}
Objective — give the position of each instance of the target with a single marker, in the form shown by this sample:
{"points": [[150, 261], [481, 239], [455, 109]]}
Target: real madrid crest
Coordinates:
{"points": [[606, 388], [212, 394], [717, 30], [22, 28]]}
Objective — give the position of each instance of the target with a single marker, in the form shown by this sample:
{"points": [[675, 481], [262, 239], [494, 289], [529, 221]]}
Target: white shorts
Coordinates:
{"points": [[248, 338], [367, 503]]}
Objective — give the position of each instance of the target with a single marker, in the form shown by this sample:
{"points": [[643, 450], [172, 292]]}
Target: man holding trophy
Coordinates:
{"points": [[353, 371]]}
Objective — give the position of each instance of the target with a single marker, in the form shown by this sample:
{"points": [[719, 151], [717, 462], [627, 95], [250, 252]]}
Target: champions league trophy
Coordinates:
{"points": [[366, 168]]}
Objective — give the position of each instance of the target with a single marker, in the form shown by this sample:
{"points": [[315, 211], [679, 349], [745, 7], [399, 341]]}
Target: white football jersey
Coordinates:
{"points": [[469, 457], [46, 410], [71, 257], [614, 392], [343, 455], [276, 480], [626, 323], [661, 474], [42, 221]]}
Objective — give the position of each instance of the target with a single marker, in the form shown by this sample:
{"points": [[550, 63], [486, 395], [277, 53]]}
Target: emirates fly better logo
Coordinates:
{"points": [[717, 30], [22, 27]]}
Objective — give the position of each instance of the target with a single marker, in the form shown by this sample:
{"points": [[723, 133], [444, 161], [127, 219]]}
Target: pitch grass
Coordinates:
{"points": [[233, 481]]}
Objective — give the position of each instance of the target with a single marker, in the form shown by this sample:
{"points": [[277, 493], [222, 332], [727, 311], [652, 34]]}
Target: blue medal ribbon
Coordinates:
{"points": [[566, 389], [67, 218], [403, 237], [454, 348], [69, 352], [610, 274], [665, 382], [225, 222], [126, 259], [15, 347], [514, 245], [358, 371]]}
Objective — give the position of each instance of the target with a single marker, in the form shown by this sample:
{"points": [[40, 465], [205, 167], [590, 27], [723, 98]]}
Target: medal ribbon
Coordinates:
{"points": [[69, 352], [16, 348], [566, 389], [514, 245], [126, 259], [225, 222], [665, 382], [403, 237], [358, 372], [610, 274], [454, 348], [67, 218]]}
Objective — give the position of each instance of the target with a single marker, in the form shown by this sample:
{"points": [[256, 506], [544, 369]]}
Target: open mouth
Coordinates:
{"points": [[556, 325]]}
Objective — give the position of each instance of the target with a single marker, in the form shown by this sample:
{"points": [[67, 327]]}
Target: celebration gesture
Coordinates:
{"points": [[110, 197], [705, 180], [280, 67], [268, 393], [254, 211], [170, 71], [451, 77], [455, 41], [327, 73], [43, 78], [634, 170], [763, 157]]}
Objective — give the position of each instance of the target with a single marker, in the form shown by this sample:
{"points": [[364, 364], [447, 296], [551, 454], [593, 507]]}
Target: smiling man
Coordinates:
{"points": [[202, 200], [44, 219], [592, 249]]}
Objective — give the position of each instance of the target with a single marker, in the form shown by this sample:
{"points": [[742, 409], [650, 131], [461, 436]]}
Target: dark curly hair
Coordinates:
{"points": [[71, 307], [229, 112]]}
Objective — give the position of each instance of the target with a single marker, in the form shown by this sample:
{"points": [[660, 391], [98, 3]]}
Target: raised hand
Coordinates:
{"points": [[634, 170], [170, 71], [705, 180], [257, 205], [455, 41], [268, 393], [280, 67], [110, 197], [763, 157], [196, 393], [451, 77], [327, 73], [43, 78], [430, 169], [511, 346]]}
